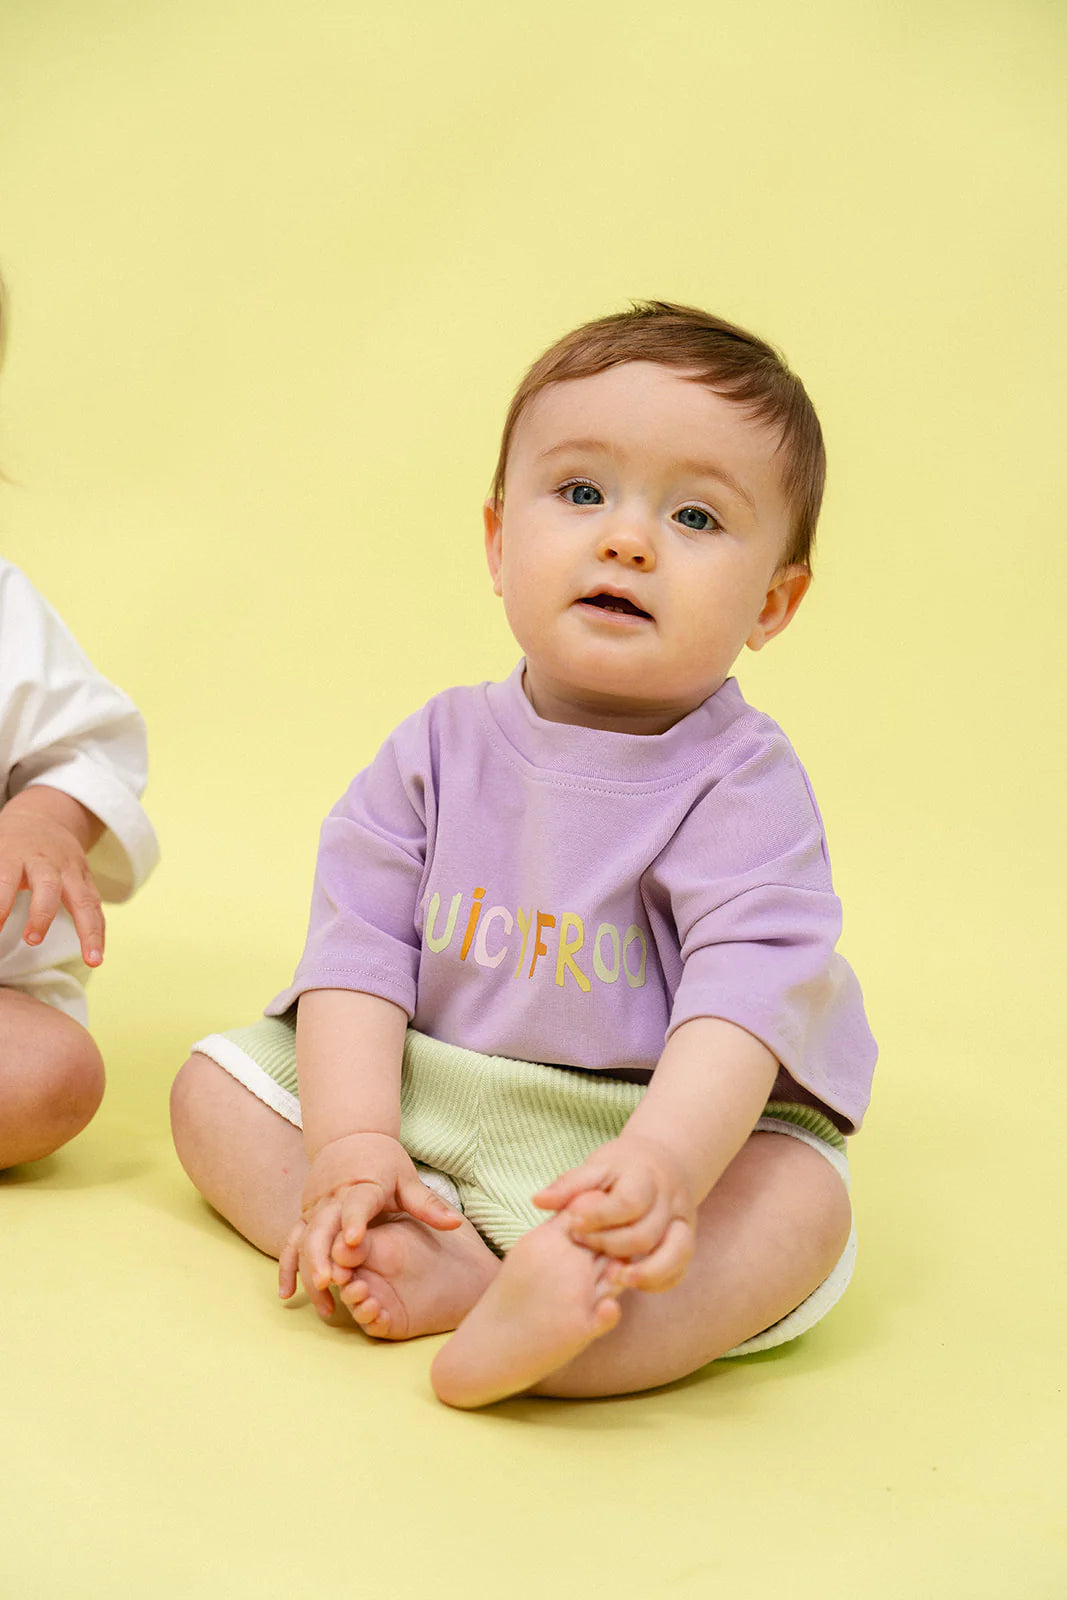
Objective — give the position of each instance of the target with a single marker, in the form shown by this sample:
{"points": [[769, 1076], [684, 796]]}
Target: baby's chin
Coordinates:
{"points": [[590, 695]]}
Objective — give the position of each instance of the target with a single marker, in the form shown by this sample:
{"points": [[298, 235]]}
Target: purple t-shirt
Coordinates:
{"points": [[560, 894]]}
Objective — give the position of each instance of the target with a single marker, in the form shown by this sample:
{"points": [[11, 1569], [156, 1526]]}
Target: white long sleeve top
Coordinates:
{"points": [[64, 725]]}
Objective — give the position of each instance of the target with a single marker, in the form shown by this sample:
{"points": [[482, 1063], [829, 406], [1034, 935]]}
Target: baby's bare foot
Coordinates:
{"points": [[550, 1300], [414, 1279]]}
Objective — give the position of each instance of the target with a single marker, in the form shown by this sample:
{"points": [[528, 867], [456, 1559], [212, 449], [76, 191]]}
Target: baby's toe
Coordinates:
{"points": [[373, 1318], [366, 1312], [354, 1293], [606, 1313]]}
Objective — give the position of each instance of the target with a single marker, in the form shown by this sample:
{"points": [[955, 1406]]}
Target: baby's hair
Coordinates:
{"points": [[725, 358]]}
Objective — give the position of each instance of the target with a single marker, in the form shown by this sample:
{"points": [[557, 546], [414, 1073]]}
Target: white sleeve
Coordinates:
{"points": [[64, 725]]}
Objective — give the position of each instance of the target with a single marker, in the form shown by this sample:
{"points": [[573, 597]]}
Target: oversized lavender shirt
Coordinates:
{"points": [[553, 893]]}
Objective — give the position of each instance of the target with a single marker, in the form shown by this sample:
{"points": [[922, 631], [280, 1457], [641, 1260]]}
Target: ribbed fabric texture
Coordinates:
{"points": [[271, 1043], [808, 1118], [501, 1129]]}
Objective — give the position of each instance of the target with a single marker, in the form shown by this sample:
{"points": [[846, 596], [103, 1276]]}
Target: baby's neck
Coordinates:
{"points": [[609, 714]]}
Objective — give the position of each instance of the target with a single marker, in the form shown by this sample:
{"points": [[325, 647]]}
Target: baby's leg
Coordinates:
{"points": [[51, 1078], [768, 1234], [249, 1163], [246, 1160]]}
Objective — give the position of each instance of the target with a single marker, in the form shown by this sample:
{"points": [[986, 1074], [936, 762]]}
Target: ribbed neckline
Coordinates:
{"points": [[611, 757]]}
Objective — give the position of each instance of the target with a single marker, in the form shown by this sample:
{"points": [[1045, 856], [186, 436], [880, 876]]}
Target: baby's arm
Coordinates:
{"points": [[635, 1198], [45, 838], [349, 1048]]}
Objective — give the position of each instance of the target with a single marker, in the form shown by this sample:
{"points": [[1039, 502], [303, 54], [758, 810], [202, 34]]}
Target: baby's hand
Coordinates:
{"points": [[630, 1200], [352, 1180], [39, 852]]}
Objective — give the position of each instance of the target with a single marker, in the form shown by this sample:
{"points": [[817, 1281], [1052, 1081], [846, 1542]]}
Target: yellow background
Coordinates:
{"points": [[274, 271]]}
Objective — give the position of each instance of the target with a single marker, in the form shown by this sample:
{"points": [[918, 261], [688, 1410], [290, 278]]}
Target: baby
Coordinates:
{"points": [[72, 832], [610, 1147]]}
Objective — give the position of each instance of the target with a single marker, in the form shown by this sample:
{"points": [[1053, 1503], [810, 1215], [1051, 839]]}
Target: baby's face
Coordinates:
{"points": [[640, 546]]}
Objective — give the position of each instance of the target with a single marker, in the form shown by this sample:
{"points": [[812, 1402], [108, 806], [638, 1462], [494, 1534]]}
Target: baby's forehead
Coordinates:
{"points": [[646, 410]]}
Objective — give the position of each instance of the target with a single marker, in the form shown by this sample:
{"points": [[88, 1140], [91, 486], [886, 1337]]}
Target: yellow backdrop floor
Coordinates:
{"points": [[173, 1430], [273, 271]]}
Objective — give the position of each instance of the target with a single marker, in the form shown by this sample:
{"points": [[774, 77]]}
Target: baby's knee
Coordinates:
{"points": [[188, 1094], [203, 1102], [830, 1211], [58, 1093], [75, 1082], [82, 1079]]}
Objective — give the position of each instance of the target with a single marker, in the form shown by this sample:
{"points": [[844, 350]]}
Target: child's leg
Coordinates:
{"points": [[51, 1078], [246, 1160], [769, 1233], [249, 1163]]}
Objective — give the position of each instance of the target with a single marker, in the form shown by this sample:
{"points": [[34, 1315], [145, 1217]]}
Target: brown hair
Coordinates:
{"points": [[723, 357]]}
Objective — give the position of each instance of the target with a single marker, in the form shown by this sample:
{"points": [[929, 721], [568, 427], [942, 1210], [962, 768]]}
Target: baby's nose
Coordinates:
{"points": [[628, 546]]}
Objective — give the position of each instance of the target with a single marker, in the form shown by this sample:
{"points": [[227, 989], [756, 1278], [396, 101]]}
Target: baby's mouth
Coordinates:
{"points": [[603, 601]]}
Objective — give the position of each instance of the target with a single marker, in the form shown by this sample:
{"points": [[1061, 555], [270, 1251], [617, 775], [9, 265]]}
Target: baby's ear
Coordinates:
{"points": [[491, 513], [789, 586]]}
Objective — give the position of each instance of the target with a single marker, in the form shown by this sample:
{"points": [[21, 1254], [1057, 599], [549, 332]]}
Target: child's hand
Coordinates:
{"points": [[352, 1180], [40, 852], [630, 1200]]}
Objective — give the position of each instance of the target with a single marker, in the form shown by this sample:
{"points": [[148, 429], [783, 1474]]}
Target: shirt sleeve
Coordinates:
{"points": [[62, 724], [748, 883], [372, 851]]}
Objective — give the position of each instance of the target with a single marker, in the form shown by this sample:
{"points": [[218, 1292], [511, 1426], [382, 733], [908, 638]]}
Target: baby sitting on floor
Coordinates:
{"points": [[569, 1060], [73, 765]]}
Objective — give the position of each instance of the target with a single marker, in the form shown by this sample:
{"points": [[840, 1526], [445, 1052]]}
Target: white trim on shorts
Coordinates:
{"points": [[251, 1075]]}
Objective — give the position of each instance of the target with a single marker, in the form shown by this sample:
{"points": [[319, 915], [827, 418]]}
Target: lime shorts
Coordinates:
{"points": [[488, 1132]]}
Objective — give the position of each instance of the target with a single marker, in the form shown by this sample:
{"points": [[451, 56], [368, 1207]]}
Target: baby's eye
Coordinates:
{"points": [[582, 494], [697, 518]]}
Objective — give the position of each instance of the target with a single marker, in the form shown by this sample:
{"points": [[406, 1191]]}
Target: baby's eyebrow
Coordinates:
{"points": [[708, 469], [572, 446], [693, 469]]}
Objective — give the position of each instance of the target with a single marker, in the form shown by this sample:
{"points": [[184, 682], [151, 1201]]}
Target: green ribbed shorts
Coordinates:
{"points": [[488, 1132]]}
